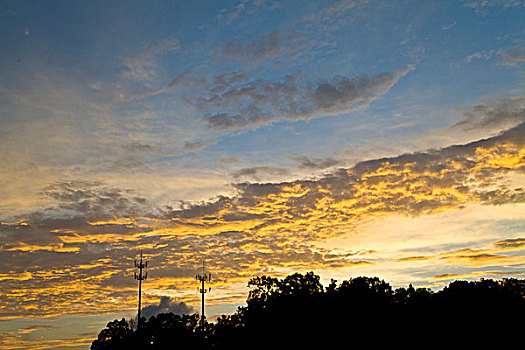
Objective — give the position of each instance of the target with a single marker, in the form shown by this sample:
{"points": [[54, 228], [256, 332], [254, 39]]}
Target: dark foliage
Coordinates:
{"points": [[298, 312]]}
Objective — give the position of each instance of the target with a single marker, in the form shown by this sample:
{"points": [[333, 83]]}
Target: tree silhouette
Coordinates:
{"points": [[116, 335], [298, 312]]}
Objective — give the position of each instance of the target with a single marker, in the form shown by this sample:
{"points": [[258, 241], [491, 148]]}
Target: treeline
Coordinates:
{"points": [[298, 312]]}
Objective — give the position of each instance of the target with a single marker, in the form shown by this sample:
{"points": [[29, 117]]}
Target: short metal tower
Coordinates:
{"points": [[140, 277], [203, 279]]}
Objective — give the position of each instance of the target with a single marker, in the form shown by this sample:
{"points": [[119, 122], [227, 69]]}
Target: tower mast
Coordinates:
{"points": [[203, 279], [140, 277]]}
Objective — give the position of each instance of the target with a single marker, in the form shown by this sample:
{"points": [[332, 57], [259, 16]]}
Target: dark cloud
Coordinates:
{"points": [[95, 200], [128, 163], [504, 112], [475, 257], [511, 243], [137, 147], [229, 160], [502, 196], [315, 163], [257, 172], [192, 146], [246, 103], [166, 304]]}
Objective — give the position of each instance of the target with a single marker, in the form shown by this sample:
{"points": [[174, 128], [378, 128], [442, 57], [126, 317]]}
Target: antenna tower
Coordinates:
{"points": [[203, 279], [140, 277]]}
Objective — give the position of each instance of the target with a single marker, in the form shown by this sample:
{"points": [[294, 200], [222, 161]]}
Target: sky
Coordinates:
{"points": [[349, 138]]}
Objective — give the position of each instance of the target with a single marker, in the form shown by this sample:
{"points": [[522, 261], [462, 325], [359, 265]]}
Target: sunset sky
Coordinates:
{"points": [[348, 138]]}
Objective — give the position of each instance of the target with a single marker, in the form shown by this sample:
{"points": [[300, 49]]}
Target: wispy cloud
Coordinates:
{"points": [[144, 67], [94, 199], [481, 6], [485, 56], [499, 113], [192, 146], [477, 257], [449, 25], [233, 102], [298, 39], [264, 46], [286, 46], [316, 163], [514, 56], [248, 7], [229, 160], [137, 147], [256, 172]]}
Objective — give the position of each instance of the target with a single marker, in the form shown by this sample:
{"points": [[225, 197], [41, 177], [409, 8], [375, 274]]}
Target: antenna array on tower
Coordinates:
{"points": [[203, 279], [140, 277]]}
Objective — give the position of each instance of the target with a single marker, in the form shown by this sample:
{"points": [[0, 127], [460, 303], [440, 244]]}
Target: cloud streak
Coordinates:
{"points": [[317, 163], [504, 112], [233, 102], [143, 67]]}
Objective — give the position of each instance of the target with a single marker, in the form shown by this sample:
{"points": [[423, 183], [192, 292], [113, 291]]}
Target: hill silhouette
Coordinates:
{"points": [[298, 312]]}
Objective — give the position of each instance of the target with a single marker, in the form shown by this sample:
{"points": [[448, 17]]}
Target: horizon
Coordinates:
{"points": [[259, 137]]}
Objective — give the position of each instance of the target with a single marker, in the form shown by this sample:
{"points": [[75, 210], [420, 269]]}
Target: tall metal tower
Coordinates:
{"points": [[140, 277], [203, 279]]}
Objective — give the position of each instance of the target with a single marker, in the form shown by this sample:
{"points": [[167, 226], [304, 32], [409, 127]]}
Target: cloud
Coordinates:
{"points": [[192, 146], [481, 6], [166, 305], [514, 56], [449, 25], [229, 160], [503, 112], [256, 172], [233, 102], [511, 243], [175, 84], [289, 45], [413, 258], [412, 184], [264, 46], [32, 328], [478, 274], [298, 40], [137, 147], [481, 56], [95, 200], [246, 7], [317, 163], [335, 15], [13, 340], [143, 67], [128, 163], [475, 257]]}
